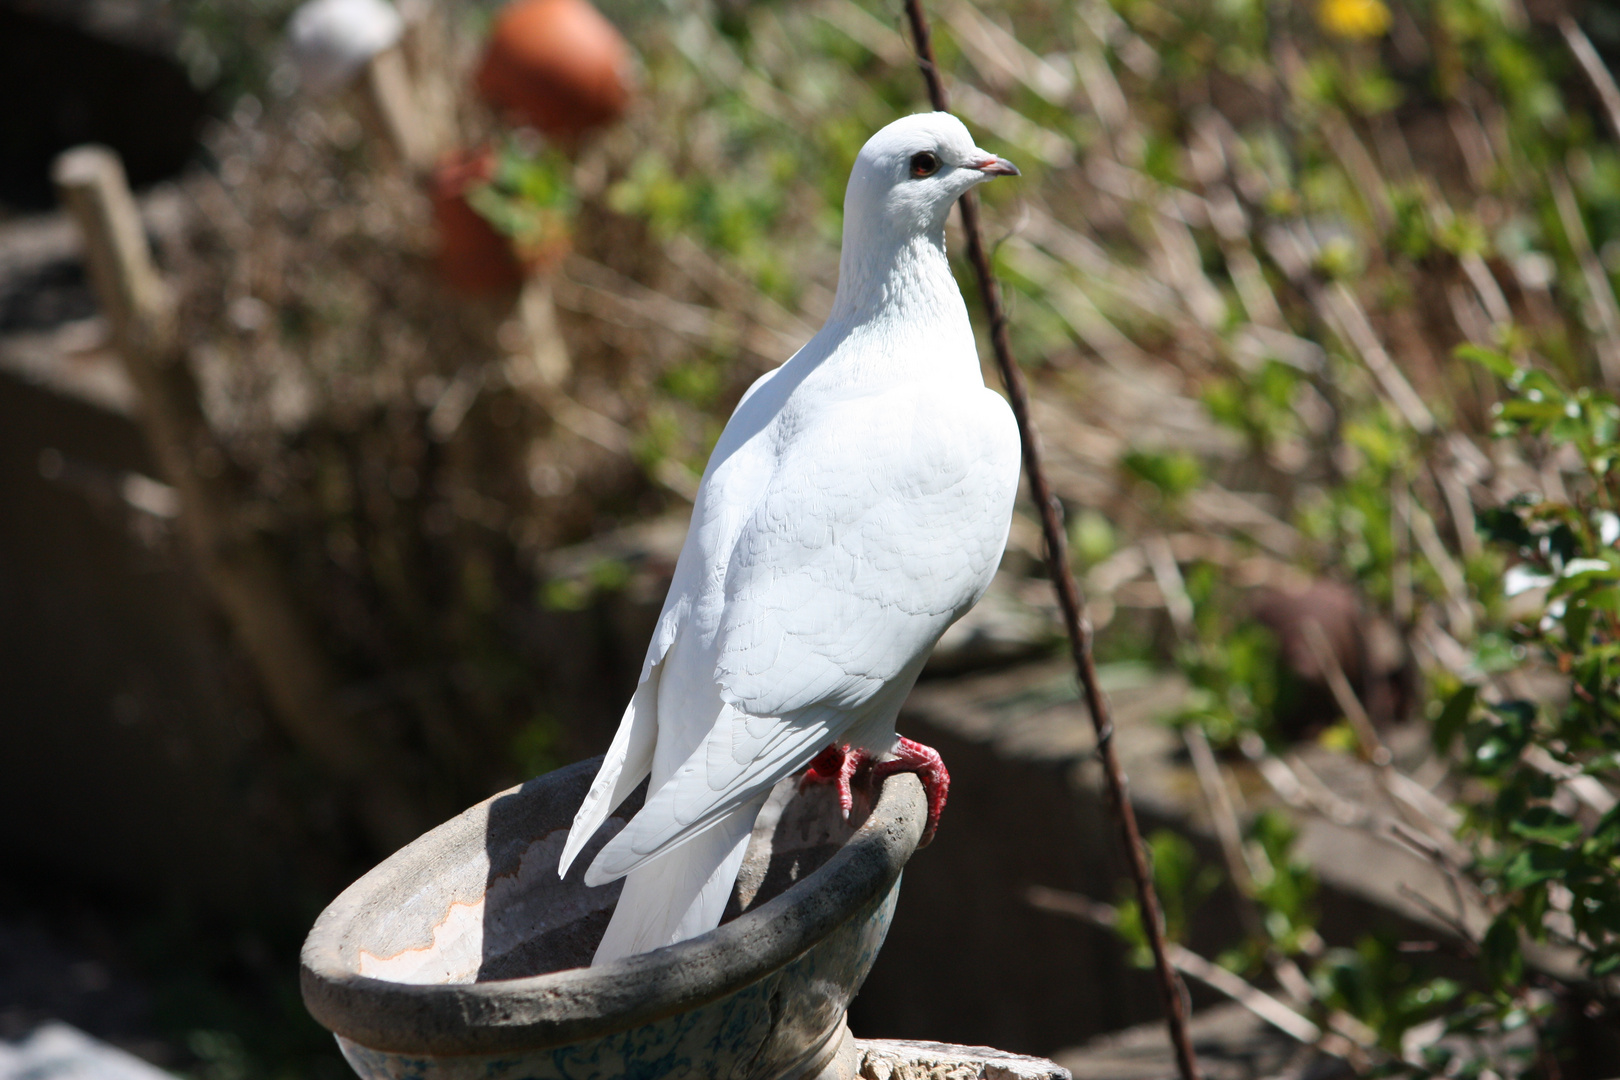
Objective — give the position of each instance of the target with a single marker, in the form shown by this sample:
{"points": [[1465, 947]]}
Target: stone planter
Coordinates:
{"points": [[461, 955]]}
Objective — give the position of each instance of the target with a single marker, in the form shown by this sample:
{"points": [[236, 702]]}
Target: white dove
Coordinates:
{"points": [[856, 505]]}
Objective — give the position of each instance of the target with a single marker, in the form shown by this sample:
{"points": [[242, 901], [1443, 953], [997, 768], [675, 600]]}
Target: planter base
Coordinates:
{"points": [[901, 1059]]}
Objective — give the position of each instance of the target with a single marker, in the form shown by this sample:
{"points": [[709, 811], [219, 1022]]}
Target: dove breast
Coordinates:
{"points": [[883, 520]]}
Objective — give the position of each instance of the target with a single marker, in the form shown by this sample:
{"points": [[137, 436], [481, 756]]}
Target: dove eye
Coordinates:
{"points": [[924, 164]]}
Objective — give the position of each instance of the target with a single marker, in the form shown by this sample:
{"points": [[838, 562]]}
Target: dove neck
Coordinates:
{"points": [[906, 283]]}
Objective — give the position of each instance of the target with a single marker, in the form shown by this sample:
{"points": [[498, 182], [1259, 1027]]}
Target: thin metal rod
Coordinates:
{"points": [[1068, 590]]}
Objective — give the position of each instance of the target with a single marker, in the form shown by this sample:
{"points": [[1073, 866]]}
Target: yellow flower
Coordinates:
{"points": [[1354, 19]]}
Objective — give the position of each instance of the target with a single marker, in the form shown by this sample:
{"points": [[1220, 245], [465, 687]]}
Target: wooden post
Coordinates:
{"points": [[393, 97], [133, 298], [542, 345], [237, 566]]}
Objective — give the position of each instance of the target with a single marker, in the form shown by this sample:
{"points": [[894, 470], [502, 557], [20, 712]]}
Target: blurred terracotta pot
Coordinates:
{"points": [[473, 256], [557, 63]]}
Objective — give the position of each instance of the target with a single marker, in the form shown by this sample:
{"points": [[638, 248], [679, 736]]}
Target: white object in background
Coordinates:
{"points": [[58, 1051], [856, 505], [331, 40]]}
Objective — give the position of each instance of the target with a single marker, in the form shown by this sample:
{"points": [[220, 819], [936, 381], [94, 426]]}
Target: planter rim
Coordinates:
{"points": [[563, 1007]]}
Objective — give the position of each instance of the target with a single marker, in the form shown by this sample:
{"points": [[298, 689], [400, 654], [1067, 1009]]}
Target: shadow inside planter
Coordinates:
{"points": [[534, 922]]}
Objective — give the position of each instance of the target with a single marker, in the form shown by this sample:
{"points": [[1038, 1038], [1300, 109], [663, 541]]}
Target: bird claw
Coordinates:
{"points": [[841, 764], [837, 765], [914, 757]]}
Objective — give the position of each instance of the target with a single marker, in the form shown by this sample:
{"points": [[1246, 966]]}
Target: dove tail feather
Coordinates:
{"points": [[628, 761], [695, 799], [682, 892]]}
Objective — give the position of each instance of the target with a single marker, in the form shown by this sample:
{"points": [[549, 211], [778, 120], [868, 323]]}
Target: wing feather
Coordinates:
{"points": [[875, 534], [629, 759], [708, 786]]}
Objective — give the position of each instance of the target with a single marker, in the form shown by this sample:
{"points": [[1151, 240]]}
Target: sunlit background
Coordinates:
{"points": [[1318, 306]]}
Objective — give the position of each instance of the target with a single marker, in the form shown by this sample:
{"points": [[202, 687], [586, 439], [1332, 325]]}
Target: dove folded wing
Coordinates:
{"points": [[910, 494]]}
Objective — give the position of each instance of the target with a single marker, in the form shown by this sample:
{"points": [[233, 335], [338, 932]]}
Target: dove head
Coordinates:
{"points": [[907, 176], [905, 180]]}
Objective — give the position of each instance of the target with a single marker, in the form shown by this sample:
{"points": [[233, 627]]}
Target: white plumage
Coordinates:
{"points": [[855, 506]]}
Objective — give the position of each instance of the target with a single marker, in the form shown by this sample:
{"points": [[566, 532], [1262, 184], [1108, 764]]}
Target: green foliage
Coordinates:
{"points": [[1259, 404], [731, 212], [1538, 850], [1173, 473], [1183, 882], [1230, 664], [576, 593], [1378, 986], [1234, 684], [698, 382], [1284, 885], [529, 196], [1092, 537], [535, 747], [1525, 704], [1547, 867]]}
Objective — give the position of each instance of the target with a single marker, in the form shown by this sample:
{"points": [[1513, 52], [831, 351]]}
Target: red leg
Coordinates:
{"points": [[925, 761], [836, 765], [824, 766]]}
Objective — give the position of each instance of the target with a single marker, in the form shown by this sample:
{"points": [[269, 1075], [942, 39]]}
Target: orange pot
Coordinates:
{"points": [[558, 64], [473, 257]]}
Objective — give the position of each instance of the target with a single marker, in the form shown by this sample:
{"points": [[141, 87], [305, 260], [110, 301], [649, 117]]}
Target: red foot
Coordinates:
{"points": [[841, 764], [837, 765], [925, 761]]}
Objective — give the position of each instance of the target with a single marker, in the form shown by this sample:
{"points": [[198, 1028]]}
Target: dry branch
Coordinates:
{"points": [[1597, 73], [1257, 1001]]}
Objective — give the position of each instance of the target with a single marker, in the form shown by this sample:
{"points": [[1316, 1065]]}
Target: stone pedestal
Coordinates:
{"points": [[902, 1059]]}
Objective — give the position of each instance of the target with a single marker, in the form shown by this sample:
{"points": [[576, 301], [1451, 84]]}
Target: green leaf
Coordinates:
{"points": [[1607, 832], [1582, 574], [1174, 473], [1489, 359], [1491, 751], [1602, 598], [1533, 865], [1544, 824], [1500, 951], [1506, 525], [1531, 413], [1449, 724], [1128, 925], [1495, 652], [564, 594]]}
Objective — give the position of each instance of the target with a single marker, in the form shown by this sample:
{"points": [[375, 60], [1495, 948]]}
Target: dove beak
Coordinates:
{"points": [[991, 165]]}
